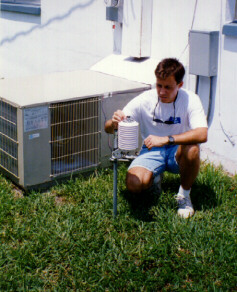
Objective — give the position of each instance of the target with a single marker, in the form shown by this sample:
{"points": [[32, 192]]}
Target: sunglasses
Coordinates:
{"points": [[170, 121]]}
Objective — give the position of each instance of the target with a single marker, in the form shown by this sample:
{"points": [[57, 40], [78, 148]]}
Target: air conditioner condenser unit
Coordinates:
{"points": [[52, 126]]}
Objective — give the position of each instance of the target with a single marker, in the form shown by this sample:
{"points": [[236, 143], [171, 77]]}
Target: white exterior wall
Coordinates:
{"points": [[69, 35], [171, 22], [222, 142]]}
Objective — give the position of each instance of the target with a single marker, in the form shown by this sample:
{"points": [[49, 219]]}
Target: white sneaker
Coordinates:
{"points": [[185, 207]]}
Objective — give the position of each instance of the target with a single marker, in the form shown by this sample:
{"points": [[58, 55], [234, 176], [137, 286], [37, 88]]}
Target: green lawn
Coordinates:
{"points": [[67, 240]]}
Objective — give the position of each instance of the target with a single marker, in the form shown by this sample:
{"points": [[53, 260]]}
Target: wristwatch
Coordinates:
{"points": [[171, 140]]}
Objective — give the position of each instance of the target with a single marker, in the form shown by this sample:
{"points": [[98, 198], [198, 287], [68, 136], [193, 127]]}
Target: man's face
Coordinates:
{"points": [[167, 89]]}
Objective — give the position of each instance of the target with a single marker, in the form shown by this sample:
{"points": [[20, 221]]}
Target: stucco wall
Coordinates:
{"points": [[172, 21], [69, 35], [72, 35], [171, 24]]}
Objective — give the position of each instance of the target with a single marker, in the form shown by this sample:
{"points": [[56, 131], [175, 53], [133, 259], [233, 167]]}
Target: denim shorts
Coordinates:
{"points": [[158, 159]]}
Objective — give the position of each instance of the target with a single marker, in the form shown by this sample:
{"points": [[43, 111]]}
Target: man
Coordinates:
{"points": [[172, 123]]}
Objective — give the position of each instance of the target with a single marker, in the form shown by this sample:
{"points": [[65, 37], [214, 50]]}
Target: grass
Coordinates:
{"points": [[67, 240]]}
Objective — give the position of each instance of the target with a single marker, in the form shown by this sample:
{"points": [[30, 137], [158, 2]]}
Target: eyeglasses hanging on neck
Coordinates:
{"points": [[170, 121]]}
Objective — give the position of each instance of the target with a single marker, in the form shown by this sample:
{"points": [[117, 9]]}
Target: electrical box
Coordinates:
{"points": [[114, 14], [137, 28], [114, 10], [203, 54]]}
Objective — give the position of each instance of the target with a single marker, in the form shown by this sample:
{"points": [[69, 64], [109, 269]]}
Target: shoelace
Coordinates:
{"points": [[184, 202]]}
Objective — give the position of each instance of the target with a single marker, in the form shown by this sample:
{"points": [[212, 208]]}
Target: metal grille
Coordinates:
{"points": [[8, 138], [75, 134]]}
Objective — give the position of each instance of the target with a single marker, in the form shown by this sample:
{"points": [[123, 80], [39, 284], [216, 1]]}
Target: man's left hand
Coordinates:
{"points": [[155, 141]]}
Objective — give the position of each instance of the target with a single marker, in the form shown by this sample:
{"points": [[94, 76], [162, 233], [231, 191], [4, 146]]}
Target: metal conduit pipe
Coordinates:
{"points": [[197, 84], [210, 100], [210, 95]]}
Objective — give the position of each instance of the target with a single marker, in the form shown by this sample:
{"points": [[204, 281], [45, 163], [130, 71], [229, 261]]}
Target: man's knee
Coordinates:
{"points": [[193, 152], [133, 183], [190, 153], [138, 181]]}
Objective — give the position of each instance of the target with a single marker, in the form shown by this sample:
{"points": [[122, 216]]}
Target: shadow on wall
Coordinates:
{"points": [[41, 26]]}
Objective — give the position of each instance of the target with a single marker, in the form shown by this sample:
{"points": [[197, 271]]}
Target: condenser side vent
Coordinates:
{"points": [[75, 135], [8, 138]]}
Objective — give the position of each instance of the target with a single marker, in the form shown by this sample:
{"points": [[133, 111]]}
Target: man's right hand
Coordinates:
{"points": [[112, 124], [117, 117]]}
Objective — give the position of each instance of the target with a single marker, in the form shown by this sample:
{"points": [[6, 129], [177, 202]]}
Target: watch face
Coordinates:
{"points": [[171, 140]]}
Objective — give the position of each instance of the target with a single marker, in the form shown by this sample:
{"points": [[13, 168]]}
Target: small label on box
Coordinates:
{"points": [[34, 136]]}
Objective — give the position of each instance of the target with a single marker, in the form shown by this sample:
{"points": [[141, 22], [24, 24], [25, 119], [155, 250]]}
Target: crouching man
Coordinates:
{"points": [[173, 124]]}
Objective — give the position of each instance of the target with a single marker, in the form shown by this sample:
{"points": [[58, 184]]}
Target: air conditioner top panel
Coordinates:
{"points": [[63, 86]]}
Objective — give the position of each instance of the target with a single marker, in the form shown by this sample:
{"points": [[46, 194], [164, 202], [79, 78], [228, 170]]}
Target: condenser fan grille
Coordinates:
{"points": [[8, 138], [75, 135]]}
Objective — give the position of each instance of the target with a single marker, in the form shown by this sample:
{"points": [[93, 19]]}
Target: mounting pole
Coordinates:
{"points": [[115, 168], [115, 188], [120, 155]]}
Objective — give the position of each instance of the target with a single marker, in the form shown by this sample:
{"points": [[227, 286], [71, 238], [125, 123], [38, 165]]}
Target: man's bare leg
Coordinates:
{"points": [[138, 179], [188, 159]]}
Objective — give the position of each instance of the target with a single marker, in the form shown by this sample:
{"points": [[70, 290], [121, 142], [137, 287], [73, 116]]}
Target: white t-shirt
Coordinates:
{"points": [[187, 109]]}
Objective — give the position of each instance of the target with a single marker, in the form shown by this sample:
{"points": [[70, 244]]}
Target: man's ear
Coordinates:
{"points": [[180, 84]]}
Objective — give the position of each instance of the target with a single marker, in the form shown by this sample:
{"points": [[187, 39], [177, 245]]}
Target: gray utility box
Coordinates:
{"points": [[52, 126], [203, 55], [114, 14]]}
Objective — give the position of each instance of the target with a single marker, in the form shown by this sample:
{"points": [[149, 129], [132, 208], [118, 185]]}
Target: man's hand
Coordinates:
{"points": [[117, 117], [112, 124], [155, 141]]}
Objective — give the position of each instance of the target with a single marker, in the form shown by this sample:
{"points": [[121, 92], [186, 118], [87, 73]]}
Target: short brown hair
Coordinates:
{"points": [[170, 67]]}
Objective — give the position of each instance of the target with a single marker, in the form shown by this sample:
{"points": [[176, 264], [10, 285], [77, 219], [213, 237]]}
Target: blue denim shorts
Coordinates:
{"points": [[158, 159]]}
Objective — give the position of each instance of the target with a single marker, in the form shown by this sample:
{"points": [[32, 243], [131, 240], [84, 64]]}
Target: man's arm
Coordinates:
{"points": [[112, 124], [195, 136]]}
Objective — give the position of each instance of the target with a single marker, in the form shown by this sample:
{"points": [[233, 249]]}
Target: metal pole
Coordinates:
{"points": [[115, 187], [115, 168]]}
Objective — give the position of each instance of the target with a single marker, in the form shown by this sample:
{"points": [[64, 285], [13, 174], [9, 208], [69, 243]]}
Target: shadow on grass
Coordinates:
{"points": [[203, 197], [141, 204]]}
